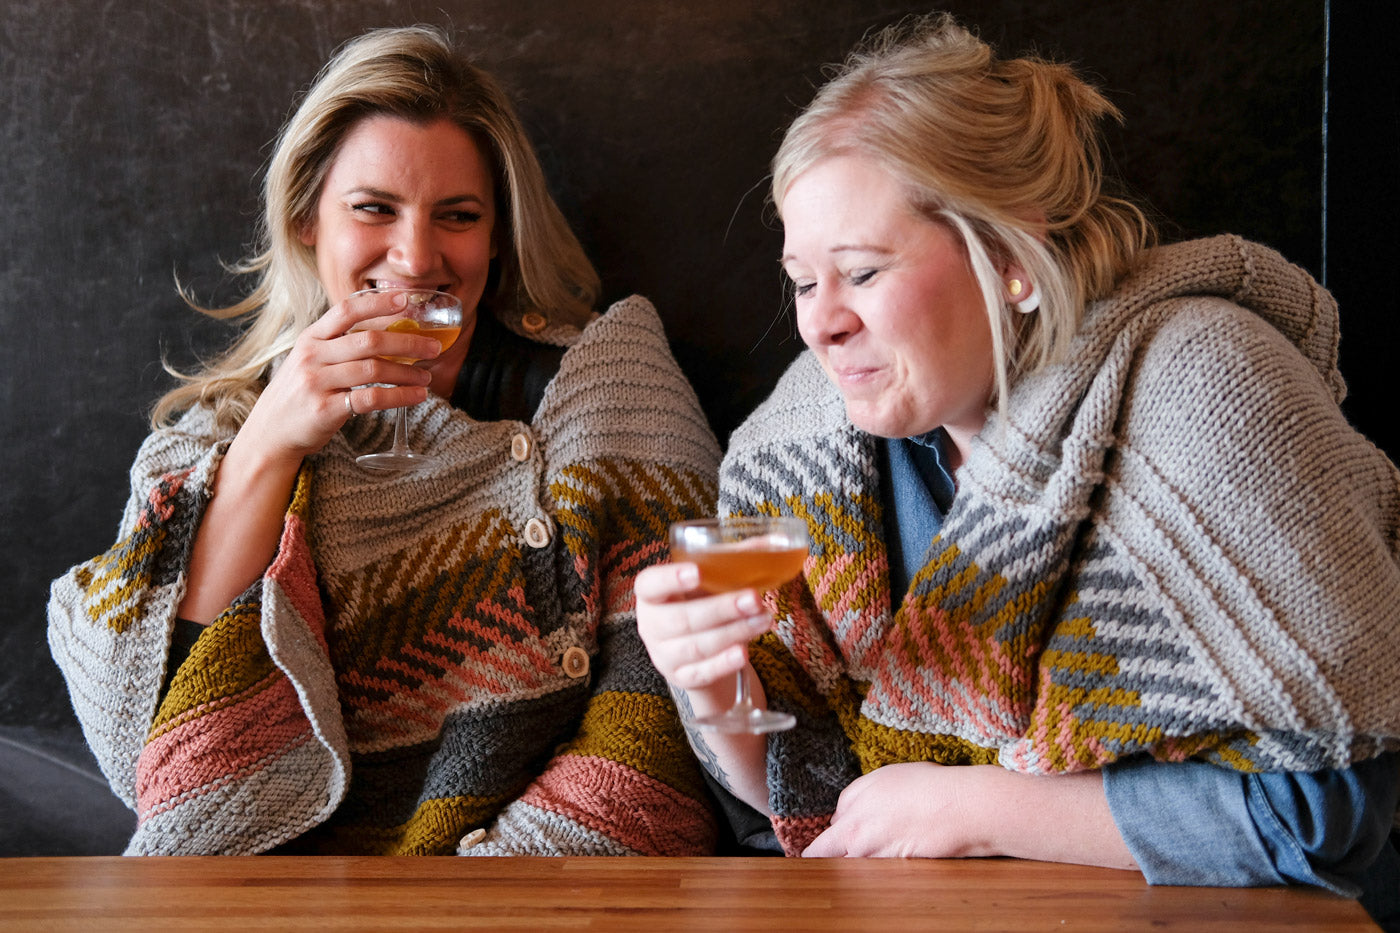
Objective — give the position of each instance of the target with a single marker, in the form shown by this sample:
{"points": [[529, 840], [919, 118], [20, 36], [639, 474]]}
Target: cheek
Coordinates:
{"points": [[804, 327], [473, 254]]}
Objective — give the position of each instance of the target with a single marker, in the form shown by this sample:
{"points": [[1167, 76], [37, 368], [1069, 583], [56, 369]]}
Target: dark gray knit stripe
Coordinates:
{"points": [[808, 767], [772, 473], [493, 750]]}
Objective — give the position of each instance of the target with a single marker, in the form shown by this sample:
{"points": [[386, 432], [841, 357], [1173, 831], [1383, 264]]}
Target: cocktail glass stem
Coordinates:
{"points": [[742, 701], [400, 445]]}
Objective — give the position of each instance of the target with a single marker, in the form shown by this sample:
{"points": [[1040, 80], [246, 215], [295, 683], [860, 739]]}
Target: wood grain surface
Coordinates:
{"points": [[715, 894]]}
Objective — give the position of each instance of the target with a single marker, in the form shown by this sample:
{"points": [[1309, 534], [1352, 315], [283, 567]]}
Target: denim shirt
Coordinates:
{"points": [[1192, 823]]}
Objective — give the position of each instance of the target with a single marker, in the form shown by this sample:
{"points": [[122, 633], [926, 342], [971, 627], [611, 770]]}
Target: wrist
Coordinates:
{"points": [[245, 466]]}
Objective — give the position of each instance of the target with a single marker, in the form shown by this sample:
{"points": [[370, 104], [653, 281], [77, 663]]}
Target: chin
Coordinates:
{"points": [[870, 424], [887, 424]]}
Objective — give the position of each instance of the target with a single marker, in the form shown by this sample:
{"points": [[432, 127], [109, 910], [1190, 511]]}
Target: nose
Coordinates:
{"points": [[413, 250], [825, 319]]}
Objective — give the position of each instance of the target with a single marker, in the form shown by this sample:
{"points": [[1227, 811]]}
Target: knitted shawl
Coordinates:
{"points": [[1172, 544], [431, 655]]}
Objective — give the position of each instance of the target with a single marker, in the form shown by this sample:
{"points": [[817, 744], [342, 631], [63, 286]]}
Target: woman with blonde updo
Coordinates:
{"points": [[1099, 571], [286, 652]]}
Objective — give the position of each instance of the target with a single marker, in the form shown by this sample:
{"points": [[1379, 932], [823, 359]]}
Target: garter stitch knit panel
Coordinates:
{"points": [[1173, 545], [431, 653]]}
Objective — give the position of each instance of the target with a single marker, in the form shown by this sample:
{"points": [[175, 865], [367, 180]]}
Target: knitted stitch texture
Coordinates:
{"points": [[430, 652], [1172, 545]]}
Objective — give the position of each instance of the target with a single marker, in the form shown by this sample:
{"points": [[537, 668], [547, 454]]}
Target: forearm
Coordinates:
{"points": [[1049, 818], [736, 761], [240, 530]]}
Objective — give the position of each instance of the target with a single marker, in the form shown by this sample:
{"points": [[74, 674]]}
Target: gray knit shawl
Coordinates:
{"points": [[1173, 543]]}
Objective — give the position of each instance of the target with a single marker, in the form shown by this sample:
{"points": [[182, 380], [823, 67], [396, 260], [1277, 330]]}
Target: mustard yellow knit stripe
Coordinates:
{"points": [[643, 732], [435, 828], [112, 581], [228, 662], [878, 745], [655, 494]]}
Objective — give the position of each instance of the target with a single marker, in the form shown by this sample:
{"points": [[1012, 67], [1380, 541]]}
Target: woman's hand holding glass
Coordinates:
{"points": [[735, 556], [313, 392], [697, 640], [333, 372]]}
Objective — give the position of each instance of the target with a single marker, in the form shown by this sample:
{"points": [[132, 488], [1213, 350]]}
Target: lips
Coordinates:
{"points": [[846, 373]]}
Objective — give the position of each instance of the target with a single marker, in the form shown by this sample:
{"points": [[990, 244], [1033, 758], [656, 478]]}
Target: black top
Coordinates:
{"points": [[504, 375]]}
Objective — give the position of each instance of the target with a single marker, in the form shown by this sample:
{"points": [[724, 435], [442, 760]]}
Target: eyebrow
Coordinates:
{"points": [[846, 248], [382, 195]]}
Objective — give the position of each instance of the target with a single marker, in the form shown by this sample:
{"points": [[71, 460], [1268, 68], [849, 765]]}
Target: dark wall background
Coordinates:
{"points": [[132, 135]]}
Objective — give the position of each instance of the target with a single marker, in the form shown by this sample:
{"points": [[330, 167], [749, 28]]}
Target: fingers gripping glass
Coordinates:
{"points": [[418, 311], [760, 552]]}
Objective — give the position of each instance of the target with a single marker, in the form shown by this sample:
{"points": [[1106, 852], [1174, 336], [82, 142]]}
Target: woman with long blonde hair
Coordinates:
{"points": [[286, 652]]}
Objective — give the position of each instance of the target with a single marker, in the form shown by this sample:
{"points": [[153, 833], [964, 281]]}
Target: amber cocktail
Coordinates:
{"points": [[414, 310], [760, 552]]}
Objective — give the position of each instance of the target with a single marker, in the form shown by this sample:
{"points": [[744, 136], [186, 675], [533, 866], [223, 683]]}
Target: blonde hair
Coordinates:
{"points": [[1005, 152], [416, 74]]}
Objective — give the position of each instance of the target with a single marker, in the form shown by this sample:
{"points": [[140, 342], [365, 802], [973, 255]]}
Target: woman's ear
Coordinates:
{"points": [[306, 232]]}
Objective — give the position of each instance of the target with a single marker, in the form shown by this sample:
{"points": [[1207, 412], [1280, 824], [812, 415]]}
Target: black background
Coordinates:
{"points": [[132, 136]]}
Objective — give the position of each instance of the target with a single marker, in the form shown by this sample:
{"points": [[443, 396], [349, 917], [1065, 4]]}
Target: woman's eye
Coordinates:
{"points": [[803, 289], [372, 207], [863, 276], [463, 218]]}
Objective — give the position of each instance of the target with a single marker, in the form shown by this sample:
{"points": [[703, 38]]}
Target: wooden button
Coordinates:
{"points": [[575, 662], [536, 533], [533, 322], [471, 838], [520, 447]]}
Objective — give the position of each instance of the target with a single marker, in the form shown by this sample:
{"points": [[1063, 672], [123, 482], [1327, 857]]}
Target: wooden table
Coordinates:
{"points": [[715, 895]]}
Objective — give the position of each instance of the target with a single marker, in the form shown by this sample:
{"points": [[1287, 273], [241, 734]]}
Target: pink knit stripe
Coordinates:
{"points": [[294, 570], [410, 713], [623, 570], [958, 679], [219, 744], [809, 641], [642, 813], [795, 834], [486, 671], [592, 598], [828, 584], [161, 501], [845, 596], [286, 755], [525, 659], [494, 609]]}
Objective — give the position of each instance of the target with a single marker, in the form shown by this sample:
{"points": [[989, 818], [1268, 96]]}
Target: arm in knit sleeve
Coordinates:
{"points": [[110, 617], [226, 762]]}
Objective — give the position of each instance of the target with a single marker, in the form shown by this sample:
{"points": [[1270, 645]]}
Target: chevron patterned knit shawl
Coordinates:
{"points": [[1172, 545], [432, 655]]}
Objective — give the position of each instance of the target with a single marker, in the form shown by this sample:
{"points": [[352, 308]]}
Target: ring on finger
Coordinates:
{"points": [[350, 405]]}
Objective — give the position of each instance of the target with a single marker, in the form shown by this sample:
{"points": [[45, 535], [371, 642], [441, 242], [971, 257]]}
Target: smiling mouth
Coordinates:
{"points": [[849, 373], [387, 283]]}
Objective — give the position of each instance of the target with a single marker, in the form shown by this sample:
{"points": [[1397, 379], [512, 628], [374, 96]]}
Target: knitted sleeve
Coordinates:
{"points": [[110, 617], [228, 762], [625, 782]]}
